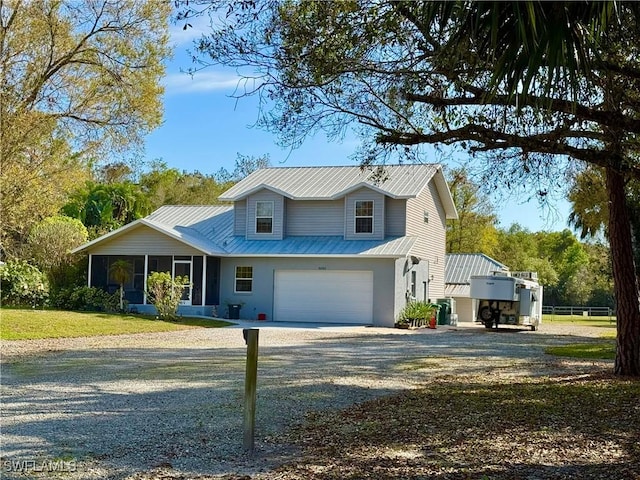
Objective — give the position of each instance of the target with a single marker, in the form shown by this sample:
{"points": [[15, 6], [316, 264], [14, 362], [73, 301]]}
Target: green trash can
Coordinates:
{"points": [[234, 311], [445, 310]]}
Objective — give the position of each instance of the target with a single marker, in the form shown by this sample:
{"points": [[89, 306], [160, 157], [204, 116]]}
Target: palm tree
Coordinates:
{"points": [[120, 271], [524, 37]]}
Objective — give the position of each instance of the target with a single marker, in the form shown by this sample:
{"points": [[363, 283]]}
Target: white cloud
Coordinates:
{"points": [[204, 81]]}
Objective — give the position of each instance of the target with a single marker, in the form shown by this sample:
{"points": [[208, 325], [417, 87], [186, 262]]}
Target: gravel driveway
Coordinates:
{"points": [[109, 407]]}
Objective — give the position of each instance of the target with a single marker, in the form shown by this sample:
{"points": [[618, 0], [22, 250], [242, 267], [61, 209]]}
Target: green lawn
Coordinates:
{"points": [[604, 349], [26, 324]]}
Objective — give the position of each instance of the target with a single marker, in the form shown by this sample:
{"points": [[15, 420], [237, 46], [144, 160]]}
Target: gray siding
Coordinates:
{"points": [[261, 299], [395, 217], [240, 217], [431, 236], [278, 216], [143, 241], [400, 291], [423, 284], [378, 214], [314, 217], [403, 269]]}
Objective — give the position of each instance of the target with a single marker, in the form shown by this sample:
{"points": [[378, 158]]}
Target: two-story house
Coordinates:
{"points": [[303, 244]]}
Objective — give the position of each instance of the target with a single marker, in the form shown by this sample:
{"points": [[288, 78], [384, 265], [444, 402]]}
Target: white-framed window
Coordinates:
{"points": [[364, 216], [264, 217], [244, 279], [413, 283]]}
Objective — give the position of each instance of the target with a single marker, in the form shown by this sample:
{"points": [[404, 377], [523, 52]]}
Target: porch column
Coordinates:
{"points": [[144, 285], [89, 271], [204, 280]]}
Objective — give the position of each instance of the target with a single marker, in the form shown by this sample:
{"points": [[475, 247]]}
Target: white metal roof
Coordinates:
{"points": [[323, 183], [330, 183], [321, 247], [210, 230], [183, 223]]}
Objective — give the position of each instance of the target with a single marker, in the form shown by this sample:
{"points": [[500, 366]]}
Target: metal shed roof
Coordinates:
{"points": [[453, 290], [460, 266]]}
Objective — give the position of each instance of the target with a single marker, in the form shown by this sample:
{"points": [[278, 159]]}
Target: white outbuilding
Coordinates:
{"points": [[459, 267]]}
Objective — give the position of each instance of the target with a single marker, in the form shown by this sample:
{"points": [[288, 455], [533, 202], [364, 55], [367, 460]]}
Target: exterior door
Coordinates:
{"points": [[184, 268]]}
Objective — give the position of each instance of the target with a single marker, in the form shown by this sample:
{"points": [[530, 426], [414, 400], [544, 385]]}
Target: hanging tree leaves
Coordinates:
{"points": [[533, 105], [78, 81]]}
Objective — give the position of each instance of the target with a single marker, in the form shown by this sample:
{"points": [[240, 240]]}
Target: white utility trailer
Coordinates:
{"points": [[508, 299]]}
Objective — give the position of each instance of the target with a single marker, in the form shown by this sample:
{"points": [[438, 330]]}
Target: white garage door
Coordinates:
{"points": [[327, 296]]}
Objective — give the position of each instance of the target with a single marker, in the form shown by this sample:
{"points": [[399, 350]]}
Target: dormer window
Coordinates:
{"points": [[364, 216], [264, 217]]}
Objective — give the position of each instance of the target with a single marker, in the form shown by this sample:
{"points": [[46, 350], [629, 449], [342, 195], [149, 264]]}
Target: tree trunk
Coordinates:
{"points": [[625, 282]]}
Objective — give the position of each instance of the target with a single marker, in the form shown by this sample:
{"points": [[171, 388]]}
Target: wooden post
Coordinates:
{"points": [[251, 379]]}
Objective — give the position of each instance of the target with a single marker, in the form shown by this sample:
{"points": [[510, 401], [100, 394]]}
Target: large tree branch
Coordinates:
{"points": [[482, 97], [490, 139]]}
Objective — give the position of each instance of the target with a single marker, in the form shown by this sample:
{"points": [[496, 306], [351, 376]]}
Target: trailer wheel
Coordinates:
{"points": [[486, 315]]}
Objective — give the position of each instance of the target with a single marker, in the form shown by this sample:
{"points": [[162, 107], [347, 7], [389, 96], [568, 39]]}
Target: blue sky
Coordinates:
{"points": [[205, 129]]}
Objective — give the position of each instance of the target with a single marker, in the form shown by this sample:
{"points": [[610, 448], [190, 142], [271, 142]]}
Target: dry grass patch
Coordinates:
{"points": [[478, 427]]}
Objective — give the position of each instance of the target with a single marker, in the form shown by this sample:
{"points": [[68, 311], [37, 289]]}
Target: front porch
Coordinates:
{"points": [[202, 297]]}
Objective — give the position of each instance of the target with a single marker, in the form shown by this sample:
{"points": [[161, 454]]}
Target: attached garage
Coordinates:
{"points": [[324, 296]]}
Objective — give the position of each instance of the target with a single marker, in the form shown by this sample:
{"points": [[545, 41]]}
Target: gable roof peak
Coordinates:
{"points": [[330, 183]]}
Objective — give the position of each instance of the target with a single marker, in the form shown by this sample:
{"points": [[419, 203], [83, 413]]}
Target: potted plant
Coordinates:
{"points": [[417, 315], [402, 323]]}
